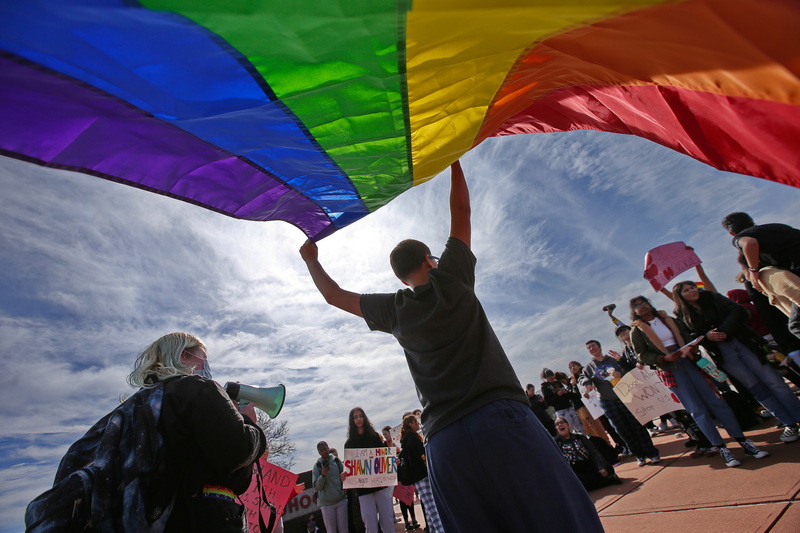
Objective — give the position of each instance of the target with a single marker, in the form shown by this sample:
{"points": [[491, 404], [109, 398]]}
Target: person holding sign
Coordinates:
{"points": [[740, 351], [375, 502], [601, 373], [658, 342], [479, 428], [414, 454]]}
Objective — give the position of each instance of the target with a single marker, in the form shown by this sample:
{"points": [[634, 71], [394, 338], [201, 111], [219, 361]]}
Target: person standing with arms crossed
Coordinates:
{"points": [[474, 410]]}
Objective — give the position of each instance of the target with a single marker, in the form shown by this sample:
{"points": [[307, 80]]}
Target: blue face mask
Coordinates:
{"points": [[205, 371]]}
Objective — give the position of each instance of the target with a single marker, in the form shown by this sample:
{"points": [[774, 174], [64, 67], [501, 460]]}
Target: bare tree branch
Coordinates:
{"points": [[281, 447]]}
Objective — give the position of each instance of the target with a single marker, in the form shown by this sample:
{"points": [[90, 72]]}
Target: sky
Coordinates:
{"points": [[91, 272]]}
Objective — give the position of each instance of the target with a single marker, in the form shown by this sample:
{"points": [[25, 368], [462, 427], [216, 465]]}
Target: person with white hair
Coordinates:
{"points": [[210, 447]]}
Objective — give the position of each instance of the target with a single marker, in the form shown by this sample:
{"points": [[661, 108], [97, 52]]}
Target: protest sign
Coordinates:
{"points": [[663, 263], [645, 395], [370, 467], [277, 486], [592, 403], [404, 493]]}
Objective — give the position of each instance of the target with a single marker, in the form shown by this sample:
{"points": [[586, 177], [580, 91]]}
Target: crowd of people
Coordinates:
{"points": [[472, 402], [367, 509], [757, 356]]}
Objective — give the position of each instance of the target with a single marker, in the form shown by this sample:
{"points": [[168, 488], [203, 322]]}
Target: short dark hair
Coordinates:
{"points": [[407, 256], [620, 329], [737, 222], [594, 341]]}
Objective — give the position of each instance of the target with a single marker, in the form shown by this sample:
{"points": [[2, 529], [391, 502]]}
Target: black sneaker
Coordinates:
{"points": [[728, 457], [753, 451]]}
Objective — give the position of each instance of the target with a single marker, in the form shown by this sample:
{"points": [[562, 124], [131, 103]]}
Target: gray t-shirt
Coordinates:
{"points": [[599, 374], [455, 359]]}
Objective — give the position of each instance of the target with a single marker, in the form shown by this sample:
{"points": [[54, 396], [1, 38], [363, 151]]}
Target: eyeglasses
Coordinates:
{"points": [[434, 258], [561, 424], [202, 356]]}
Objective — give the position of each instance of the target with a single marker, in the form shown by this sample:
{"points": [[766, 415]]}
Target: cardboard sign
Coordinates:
{"points": [[592, 403], [277, 485], [663, 263], [370, 467], [404, 493], [643, 392]]}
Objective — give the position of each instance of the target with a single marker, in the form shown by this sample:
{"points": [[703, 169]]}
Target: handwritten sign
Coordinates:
{"points": [[370, 467], [592, 403], [663, 263], [643, 392], [277, 486], [404, 493]]}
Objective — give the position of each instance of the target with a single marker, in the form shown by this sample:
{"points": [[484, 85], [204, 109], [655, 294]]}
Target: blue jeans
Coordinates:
{"points": [[701, 399], [483, 467], [763, 381]]}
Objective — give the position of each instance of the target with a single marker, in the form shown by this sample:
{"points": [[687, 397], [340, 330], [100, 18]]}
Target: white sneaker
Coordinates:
{"points": [[790, 434], [662, 427], [728, 457]]}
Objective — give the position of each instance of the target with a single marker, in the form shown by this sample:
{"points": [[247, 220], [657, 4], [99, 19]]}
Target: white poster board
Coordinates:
{"points": [[370, 467], [643, 392], [592, 403]]}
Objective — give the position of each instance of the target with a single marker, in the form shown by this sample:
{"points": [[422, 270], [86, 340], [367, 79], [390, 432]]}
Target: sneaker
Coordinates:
{"points": [[641, 461], [625, 453], [728, 457], [714, 450], [790, 434], [655, 460], [751, 450], [653, 431], [662, 427], [699, 452], [763, 413]]}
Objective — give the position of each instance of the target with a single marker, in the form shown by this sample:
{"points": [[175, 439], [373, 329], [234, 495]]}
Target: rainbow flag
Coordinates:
{"points": [[319, 112]]}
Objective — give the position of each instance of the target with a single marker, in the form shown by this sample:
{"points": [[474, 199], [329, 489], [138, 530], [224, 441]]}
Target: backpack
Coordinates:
{"points": [[113, 478]]}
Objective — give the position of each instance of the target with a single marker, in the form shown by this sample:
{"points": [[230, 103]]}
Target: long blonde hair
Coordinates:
{"points": [[163, 359]]}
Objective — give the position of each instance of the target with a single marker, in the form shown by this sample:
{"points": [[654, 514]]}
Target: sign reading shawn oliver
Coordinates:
{"points": [[370, 467]]}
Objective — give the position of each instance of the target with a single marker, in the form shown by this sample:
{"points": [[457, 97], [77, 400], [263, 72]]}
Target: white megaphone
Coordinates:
{"points": [[268, 399]]}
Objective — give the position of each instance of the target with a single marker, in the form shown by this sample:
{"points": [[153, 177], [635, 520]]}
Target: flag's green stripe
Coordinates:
{"points": [[334, 63]]}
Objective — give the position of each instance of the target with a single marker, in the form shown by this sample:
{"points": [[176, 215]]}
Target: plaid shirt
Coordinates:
{"points": [[667, 378]]}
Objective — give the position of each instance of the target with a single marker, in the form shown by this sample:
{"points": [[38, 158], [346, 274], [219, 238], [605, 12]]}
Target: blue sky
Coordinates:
{"points": [[93, 271]]}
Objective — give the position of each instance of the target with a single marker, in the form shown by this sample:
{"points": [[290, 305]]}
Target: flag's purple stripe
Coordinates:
{"points": [[53, 120], [169, 67]]}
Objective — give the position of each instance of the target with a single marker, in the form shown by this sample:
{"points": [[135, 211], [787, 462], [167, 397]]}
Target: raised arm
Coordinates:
{"points": [[705, 279], [460, 225], [330, 290]]}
